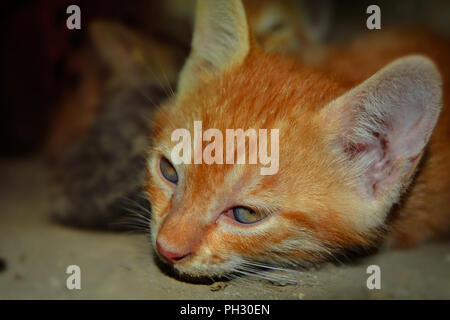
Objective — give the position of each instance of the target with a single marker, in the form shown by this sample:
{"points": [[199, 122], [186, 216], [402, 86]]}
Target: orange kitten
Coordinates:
{"points": [[352, 138]]}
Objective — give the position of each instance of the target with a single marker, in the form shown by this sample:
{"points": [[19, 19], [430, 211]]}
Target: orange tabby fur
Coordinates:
{"points": [[315, 209]]}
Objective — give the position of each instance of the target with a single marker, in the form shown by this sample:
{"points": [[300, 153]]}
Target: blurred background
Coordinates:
{"points": [[74, 122]]}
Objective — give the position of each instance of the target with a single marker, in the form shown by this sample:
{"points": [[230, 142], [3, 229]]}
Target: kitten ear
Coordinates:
{"points": [[129, 54], [220, 40], [120, 47], [317, 16], [382, 126]]}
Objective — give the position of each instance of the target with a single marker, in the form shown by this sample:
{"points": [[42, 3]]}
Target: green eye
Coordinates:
{"points": [[168, 171], [247, 215]]}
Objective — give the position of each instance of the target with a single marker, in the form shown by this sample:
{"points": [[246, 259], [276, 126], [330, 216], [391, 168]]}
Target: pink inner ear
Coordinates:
{"points": [[379, 174], [386, 121], [387, 143], [377, 155], [411, 130]]}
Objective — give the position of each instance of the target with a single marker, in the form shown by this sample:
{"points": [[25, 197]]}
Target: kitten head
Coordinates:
{"points": [[344, 157]]}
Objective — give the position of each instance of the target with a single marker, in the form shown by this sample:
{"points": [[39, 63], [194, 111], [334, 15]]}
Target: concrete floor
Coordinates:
{"points": [[35, 252]]}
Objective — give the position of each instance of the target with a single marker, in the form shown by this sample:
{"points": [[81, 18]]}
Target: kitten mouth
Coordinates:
{"points": [[174, 271]]}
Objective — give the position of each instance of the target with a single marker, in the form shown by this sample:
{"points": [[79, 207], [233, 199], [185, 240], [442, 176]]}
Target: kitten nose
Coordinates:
{"points": [[170, 256]]}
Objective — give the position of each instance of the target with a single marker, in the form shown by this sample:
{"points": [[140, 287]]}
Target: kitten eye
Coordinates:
{"points": [[277, 26], [168, 171], [247, 215]]}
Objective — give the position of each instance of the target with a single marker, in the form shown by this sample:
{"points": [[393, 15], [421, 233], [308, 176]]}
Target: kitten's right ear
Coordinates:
{"points": [[382, 126], [220, 40]]}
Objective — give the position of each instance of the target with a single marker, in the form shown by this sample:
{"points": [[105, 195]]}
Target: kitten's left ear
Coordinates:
{"points": [[220, 40], [381, 127]]}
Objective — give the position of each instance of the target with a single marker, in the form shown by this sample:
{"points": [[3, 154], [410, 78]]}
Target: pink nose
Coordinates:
{"points": [[170, 256]]}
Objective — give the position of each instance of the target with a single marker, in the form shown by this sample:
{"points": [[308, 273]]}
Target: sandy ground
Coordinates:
{"points": [[35, 252]]}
